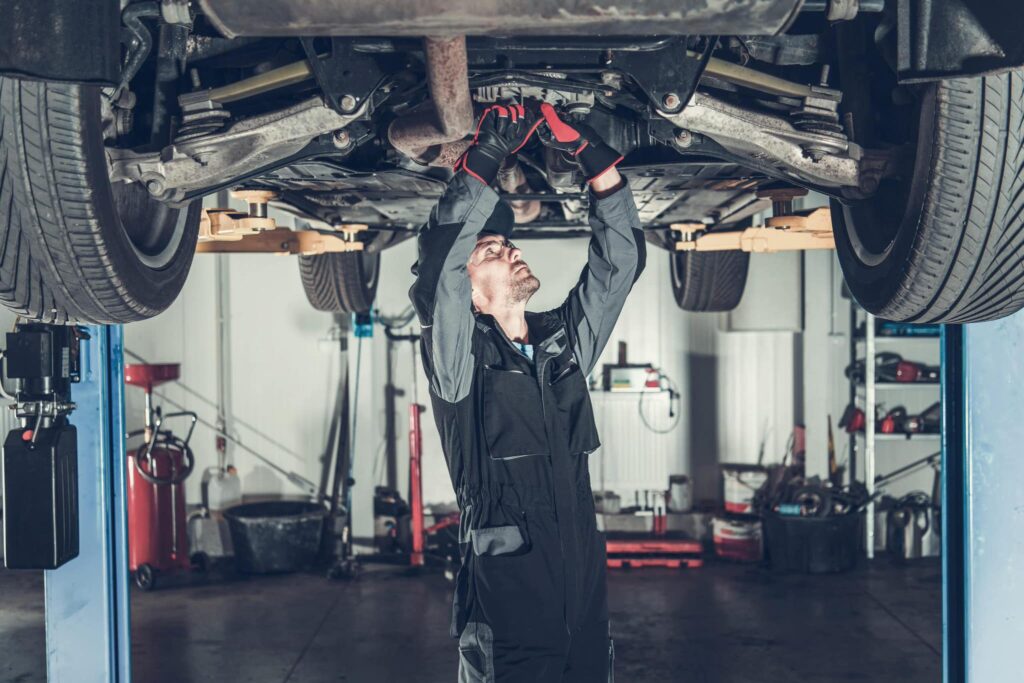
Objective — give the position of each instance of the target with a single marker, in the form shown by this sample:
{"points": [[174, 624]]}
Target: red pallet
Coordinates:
{"points": [[638, 547], [636, 562]]}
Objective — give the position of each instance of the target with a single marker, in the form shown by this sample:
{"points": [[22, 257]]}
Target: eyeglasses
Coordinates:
{"points": [[492, 249]]}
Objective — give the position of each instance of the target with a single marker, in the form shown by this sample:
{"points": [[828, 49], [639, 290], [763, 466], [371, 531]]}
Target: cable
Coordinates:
{"points": [[664, 383], [3, 373]]}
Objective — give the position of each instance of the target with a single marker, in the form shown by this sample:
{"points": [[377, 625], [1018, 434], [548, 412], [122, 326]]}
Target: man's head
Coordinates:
{"points": [[497, 272]]}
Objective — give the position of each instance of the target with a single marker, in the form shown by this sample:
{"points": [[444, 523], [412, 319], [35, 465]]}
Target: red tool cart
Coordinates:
{"points": [[157, 469]]}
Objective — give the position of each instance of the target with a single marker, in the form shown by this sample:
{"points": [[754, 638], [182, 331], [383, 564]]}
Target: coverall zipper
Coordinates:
{"points": [[551, 456]]}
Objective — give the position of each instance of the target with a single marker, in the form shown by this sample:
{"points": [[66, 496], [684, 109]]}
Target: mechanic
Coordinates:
{"points": [[510, 400]]}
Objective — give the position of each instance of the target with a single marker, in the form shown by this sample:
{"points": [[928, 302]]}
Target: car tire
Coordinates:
{"points": [[947, 243], [708, 281], [340, 282], [97, 251], [21, 288]]}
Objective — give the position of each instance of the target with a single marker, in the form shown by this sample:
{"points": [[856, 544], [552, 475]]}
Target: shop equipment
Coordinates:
{"points": [[416, 410], [416, 481], [891, 367], [157, 525], [812, 545], [276, 536], [40, 457], [658, 549], [738, 538]]}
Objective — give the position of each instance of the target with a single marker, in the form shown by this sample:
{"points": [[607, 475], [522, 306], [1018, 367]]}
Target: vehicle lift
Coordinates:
{"points": [[87, 606]]}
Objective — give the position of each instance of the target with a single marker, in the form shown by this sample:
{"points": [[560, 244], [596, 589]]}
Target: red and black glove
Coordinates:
{"points": [[502, 130], [579, 141]]}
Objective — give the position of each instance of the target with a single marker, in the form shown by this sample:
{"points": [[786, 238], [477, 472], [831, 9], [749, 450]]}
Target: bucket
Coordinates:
{"points": [[737, 539], [680, 493], [741, 482], [813, 545], [275, 536]]}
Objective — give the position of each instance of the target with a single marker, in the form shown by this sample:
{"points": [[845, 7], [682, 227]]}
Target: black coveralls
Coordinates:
{"points": [[530, 599]]}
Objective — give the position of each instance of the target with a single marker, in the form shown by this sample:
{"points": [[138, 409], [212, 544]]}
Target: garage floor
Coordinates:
{"points": [[718, 624]]}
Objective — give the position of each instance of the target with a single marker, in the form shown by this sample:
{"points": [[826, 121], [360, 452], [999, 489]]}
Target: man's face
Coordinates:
{"points": [[499, 274]]}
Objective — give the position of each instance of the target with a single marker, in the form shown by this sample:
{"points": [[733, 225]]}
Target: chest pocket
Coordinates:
{"points": [[513, 419], [576, 415]]}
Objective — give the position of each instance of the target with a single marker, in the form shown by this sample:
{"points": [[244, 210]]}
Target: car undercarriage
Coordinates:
{"points": [[348, 115], [700, 133]]}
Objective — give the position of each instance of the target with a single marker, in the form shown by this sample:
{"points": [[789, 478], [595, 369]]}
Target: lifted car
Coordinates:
{"points": [[116, 118]]}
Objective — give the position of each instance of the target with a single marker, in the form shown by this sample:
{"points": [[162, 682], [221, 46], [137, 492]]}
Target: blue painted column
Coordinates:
{"points": [[87, 609], [983, 524]]}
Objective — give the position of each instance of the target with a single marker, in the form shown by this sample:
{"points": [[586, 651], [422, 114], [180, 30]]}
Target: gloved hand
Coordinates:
{"points": [[578, 140], [502, 130]]}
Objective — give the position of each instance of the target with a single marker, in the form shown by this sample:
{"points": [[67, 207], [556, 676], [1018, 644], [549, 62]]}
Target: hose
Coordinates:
{"points": [[168, 442]]}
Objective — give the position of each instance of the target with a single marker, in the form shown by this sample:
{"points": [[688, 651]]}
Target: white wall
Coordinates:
{"points": [[283, 370], [737, 387]]}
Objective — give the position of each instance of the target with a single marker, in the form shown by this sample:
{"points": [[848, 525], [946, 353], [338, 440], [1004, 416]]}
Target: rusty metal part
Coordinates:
{"points": [[280, 241], [512, 17], [511, 179], [448, 116], [227, 225], [798, 232]]}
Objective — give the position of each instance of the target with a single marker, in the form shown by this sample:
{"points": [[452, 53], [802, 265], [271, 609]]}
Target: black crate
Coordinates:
{"points": [[41, 499]]}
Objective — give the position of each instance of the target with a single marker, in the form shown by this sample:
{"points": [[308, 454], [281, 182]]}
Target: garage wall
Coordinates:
{"points": [[283, 369], [741, 391], [736, 387]]}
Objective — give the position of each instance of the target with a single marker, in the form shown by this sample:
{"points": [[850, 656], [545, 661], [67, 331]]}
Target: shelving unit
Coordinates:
{"points": [[865, 396], [901, 386], [903, 437]]}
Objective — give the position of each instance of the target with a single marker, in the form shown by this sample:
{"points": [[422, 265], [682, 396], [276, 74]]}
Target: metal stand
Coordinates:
{"points": [[869, 428], [982, 435], [87, 609]]}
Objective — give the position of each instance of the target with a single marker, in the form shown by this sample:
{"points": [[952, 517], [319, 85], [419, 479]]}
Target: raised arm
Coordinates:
{"points": [[617, 249], [615, 259], [441, 294]]}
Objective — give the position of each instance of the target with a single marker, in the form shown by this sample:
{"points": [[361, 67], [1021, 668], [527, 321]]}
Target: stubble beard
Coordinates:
{"points": [[521, 290]]}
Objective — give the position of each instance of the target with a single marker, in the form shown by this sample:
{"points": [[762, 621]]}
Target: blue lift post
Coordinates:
{"points": [[87, 608], [983, 510]]}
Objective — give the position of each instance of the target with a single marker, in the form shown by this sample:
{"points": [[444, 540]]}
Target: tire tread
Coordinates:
{"points": [[709, 281]]}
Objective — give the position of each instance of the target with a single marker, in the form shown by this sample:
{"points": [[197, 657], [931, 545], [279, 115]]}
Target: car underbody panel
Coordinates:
{"points": [[367, 130], [400, 199], [510, 17]]}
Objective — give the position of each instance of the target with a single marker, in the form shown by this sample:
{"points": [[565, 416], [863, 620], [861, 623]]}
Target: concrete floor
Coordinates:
{"points": [[718, 624]]}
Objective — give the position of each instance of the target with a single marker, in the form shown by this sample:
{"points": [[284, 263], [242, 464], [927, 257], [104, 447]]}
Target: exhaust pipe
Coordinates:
{"points": [[433, 134]]}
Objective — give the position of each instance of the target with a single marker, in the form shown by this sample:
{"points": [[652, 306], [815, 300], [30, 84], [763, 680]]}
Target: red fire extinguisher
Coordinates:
{"points": [[157, 525]]}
